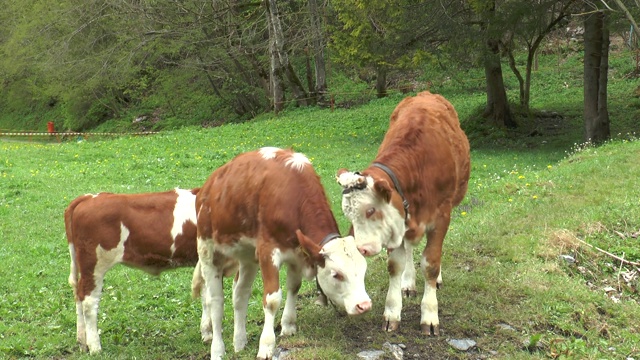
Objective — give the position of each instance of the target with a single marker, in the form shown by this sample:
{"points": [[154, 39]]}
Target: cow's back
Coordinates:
{"points": [[253, 194], [427, 147]]}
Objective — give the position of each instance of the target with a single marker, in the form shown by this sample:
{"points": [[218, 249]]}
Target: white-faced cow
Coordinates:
{"points": [[264, 209], [153, 232], [420, 173]]}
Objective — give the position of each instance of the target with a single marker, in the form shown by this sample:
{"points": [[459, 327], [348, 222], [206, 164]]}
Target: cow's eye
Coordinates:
{"points": [[370, 212], [338, 276]]}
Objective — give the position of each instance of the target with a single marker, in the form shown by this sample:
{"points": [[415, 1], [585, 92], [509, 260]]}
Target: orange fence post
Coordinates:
{"points": [[50, 127]]}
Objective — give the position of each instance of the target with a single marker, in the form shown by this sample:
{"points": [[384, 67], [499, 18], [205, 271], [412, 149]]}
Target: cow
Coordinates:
{"points": [[421, 172], [151, 231], [263, 209]]}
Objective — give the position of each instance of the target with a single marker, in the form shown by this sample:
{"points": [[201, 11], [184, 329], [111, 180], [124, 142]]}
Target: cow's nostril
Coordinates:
{"points": [[364, 306]]}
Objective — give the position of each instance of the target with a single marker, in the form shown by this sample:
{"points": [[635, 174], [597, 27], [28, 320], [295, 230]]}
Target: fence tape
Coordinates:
{"points": [[75, 133]]}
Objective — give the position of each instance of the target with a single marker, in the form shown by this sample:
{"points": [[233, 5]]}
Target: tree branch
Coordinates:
{"points": [[609, 254]]}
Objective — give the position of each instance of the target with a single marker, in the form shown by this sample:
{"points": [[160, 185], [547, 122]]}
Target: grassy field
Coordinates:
{"points": [[533, 202]]}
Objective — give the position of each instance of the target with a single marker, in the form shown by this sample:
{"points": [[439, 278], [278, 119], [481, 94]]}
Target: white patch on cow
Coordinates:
{"points": [[90, 312], [349, 179], [292, 258], [183, 211], [276, 258], [244, 250], [297, 161], [393, 303], [268, 337], [269, 152], [108, 258], [342, 277], [371, 234], [429, 306], [409, 273]]}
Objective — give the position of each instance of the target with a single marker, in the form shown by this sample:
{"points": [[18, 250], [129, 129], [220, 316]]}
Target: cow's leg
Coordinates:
{"points": [[197, 282], [271, 300], [241, 293], [409, 273], [212, 274], [81, 335], [393, 304], [294, 280], [430, 265], [91, 290], [81, 330]]}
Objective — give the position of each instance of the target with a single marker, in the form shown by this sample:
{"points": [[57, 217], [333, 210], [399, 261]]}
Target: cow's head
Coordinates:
{"points": [[375, 210], [340, 272]]}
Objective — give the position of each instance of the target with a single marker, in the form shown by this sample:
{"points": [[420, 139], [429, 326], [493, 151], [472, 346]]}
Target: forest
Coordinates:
{"points": [[163, 64]]}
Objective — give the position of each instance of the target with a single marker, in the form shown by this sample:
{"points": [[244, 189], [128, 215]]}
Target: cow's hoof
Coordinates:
{"points": [[439, 285], [430, 330], [409, 293], [390, 326]]}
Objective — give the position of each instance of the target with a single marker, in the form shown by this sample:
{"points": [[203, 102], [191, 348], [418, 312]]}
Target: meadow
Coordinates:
{"points": [[518, 277]]}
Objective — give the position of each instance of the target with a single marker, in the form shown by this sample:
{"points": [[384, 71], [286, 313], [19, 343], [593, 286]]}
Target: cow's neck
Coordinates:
{"points": [[319, 222], [396, 184]]}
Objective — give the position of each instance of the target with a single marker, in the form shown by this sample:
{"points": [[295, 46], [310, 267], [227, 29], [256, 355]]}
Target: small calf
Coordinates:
{"points": [[420, 174], [152, 232], [262, 210]]}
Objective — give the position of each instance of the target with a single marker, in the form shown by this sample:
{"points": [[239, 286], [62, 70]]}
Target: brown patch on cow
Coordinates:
{"points": [[185, 252], [392, 268], [383, 189]]}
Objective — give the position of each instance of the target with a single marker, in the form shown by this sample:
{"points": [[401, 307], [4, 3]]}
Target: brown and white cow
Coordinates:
{"points": [[264, 209], [420, 173], [153, 232]]}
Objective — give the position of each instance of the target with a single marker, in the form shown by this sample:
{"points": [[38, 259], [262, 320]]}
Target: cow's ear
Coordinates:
{"points": [[311, 249], [383, 189]]}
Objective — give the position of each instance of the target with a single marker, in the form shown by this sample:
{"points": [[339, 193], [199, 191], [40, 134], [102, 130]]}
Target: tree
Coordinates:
{"points": [[596, 66], [382, 35], [497, 107], [281, 60], [317, 41], [531, 22]]}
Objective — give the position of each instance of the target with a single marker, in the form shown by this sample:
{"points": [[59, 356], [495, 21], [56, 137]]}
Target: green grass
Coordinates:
{"points": [[530, 200]]}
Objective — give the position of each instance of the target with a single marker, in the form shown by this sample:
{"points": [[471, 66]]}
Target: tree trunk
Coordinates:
{"points": [[381, 81], [522, 84], [310, 83], [596, 64], [497, 103], [278, 36], [275, 73], [318, 53]]}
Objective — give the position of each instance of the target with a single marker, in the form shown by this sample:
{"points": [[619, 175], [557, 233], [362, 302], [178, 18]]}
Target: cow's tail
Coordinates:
{"points": [[68, 222], [196, 282]]}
